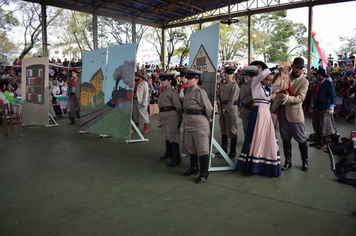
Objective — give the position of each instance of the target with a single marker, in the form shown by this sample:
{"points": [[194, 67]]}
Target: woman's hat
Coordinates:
{"points": [[183, 73], [73, 70], [298, 62], [261, 63], [137, 73], [169, 76], [194, 74]]}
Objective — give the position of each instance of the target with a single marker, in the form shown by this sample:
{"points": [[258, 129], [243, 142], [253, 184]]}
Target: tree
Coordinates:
{"points": [[175, 37], [183, 51], [275, 34], [233, 39], [7, 21], [118, 32], [31, 23], [349, 43]]}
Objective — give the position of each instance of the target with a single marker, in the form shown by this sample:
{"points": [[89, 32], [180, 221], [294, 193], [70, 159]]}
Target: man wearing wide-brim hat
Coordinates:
{"points": [[288, 105], [322, 107], [227, 97], [140, 102]]}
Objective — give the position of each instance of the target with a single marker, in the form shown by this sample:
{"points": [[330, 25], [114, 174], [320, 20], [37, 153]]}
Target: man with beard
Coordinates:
{"points": [[140, 102], [291, 116]]}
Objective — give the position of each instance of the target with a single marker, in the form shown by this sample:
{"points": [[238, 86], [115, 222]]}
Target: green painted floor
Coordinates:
{"points": [[55, 181]]}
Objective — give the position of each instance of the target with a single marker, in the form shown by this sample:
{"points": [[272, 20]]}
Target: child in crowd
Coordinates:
{"points": [[352, 109]]}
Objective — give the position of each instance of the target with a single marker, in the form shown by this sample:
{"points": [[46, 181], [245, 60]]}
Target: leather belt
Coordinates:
{"points": [[225, 102], [194, 112], [282, 107], [248, 107], [164, 109], [135, 98]]}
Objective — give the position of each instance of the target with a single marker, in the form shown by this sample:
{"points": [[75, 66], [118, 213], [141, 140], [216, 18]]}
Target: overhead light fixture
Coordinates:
{"points": [[229, 20]]}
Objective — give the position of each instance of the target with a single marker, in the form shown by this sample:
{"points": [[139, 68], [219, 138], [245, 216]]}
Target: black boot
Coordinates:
{"points": [[72, 121], [175, 155], [168, 152], [193, 169], [224, 140], [232, 153], [303, 147], [287, 148], [204, 166], [77, 113]]}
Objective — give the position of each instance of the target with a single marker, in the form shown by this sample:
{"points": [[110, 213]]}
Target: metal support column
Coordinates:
{"points": [[134, 30], [163, 51], [95, 29], [310, 29], [44, 29], [249, 38]]}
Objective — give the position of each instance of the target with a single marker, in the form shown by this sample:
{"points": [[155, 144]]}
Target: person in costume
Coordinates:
{"points": [[288, 106], [140, 102], [322, 107], [246, 96], [170, 111], [260, 153], [73, 95], [227, 99], [197, 118]]}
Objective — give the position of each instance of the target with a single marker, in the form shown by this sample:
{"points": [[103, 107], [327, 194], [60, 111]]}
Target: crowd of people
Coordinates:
{"points": [[250, 93]]}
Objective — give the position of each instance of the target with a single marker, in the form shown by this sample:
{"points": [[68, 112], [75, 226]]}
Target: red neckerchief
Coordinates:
{"points": [[317, 83], [73, 82], [162, 89], [135, 90], [290, 91], [183, 86]]}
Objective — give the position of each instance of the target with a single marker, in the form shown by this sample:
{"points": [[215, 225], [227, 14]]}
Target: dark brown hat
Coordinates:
{"points": [[73, 70], [298, 62], [321, 72], [261, 63], [182, 73], [137, 73]]}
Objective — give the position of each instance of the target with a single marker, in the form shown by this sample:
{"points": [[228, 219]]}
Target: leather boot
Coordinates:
{"points": [[175, 155], [287, 148], [312, 137], [232, 153], [133, 128], [168, 152], [224, 140], [303, 147], [325, 144], [77, 113], [72, 121], [319, 141], [193, 169], [204, 166], [146, 128]]}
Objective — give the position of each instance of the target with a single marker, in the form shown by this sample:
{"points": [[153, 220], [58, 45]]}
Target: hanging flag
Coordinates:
{"points": [[318, 53]]}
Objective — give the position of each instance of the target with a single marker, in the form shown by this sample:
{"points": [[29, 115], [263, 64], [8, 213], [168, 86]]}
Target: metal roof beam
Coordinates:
{"points": [[254, 11]]}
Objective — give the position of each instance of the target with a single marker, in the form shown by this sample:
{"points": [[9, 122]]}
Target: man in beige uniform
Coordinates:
{"points": [[170, 111], [227, 98], [246, 96], [197, 118]]}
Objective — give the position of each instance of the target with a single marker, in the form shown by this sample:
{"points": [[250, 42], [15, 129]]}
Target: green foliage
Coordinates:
{"points": [[275, 34], [233, 39], [7, 48], [100, 95]]}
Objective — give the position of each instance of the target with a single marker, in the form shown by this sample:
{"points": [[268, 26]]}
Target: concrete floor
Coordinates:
{"points": [[54, 181]]}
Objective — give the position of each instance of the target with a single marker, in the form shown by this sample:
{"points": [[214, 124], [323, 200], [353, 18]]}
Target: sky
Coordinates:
{"points": [[329, 23]]}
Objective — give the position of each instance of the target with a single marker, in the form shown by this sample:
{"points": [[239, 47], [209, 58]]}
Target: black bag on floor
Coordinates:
{"points": [[343, 166]]}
